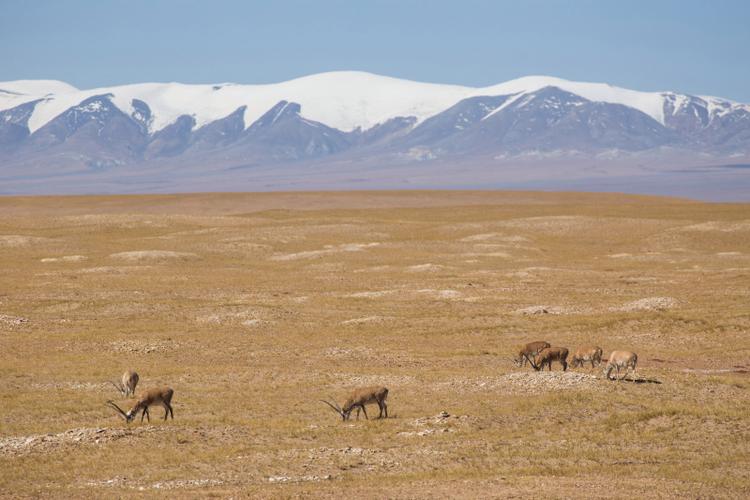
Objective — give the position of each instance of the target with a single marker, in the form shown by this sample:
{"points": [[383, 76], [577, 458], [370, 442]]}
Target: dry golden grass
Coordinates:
{"points": [[254, 306]]}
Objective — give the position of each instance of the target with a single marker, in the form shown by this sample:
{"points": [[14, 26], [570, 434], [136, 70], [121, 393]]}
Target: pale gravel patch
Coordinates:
{"points": [[66, 258], [75, 386], [441, 294], [373, 269], [498, 237], [648, 304], [298, 479], [327, 250], [371, 295], [253, 322], [529, 382], [720, 226], [153, 255], [504, 255], [366, 319], [247, 318], [44, 443], [21, 240], [421, 268], [124, 482], [12, 320], [131, 346], [112, 269], [542, 309]]}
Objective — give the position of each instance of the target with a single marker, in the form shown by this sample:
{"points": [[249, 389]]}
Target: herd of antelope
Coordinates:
{"points": [[537, 354], [162, 396], [541, 353]]}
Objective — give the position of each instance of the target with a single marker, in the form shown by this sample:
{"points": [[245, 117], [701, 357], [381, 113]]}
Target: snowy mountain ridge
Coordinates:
{"points": [[343, 100]]}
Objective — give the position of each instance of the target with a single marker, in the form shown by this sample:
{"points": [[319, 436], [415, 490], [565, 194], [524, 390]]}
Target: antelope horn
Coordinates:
{"points": [[119, 387], [118, 409], [334, 408], [531, 362]]}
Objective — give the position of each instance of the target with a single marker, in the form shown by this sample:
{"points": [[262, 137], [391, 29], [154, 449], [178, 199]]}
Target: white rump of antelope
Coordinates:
{"points": [[358, 399], [620, 360], [528, 352], [128, 382], [160, 396], [590, 354]]}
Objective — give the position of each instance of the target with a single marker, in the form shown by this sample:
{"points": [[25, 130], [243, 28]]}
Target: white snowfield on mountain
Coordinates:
{"points": [[344, 100]]}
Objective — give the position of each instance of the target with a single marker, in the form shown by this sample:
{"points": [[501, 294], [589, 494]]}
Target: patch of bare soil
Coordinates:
{"points": [[443, 422], [298, 479], [531, 382], [494, 237], [153, 255], [20, 240], [12, 320], [366, 319], [536, 310], [112, 269], [371, 295], [425, 268], [65, 258], [131, 346], [44, 443], [721, 226], [648, 304], [130, 483], [327, 250], [76, 386], [246, 317], [549, 381]]}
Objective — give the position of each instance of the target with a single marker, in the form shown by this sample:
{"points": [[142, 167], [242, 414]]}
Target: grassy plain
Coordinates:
{"points": [[255, 306]]}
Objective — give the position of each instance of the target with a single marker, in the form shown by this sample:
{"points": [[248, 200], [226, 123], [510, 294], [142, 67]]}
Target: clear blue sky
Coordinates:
{"points": [[700, 47]]}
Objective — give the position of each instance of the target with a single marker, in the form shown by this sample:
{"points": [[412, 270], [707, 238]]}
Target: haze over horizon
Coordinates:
{"points": [[474, 44]]}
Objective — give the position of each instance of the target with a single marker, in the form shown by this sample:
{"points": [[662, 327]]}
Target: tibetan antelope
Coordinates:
{"points": [[550, 354], [592, 354], [128, 383], [619, 360], [529, 351], [359, 398], [152, 397]]}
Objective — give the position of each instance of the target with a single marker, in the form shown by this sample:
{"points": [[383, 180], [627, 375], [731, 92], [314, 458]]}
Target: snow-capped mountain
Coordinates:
{"points": [[50, 128]]}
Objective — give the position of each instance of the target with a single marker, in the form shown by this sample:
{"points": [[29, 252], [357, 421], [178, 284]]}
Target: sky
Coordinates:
{"points": [[697, 47]]}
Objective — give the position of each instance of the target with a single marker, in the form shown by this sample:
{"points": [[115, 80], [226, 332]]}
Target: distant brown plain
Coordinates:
{"points": [[255, 306]]}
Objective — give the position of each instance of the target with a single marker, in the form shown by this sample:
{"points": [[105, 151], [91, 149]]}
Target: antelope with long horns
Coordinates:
{"points": [[529, 351], [550, 354], [359, 398], [152, 397], [128, 382]]}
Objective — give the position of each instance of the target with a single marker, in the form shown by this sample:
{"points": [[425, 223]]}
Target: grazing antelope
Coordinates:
{"points": [[619, 360], [550, 354], [592, 354], [529, 351], [359, 398], [152, 397], [129, 381]]}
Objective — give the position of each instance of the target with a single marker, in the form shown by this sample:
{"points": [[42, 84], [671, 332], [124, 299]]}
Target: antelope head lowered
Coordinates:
{"points": [[152, 397], [529, 351], [548, 355], [128, 382], [359, 398], [620, 360]]}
